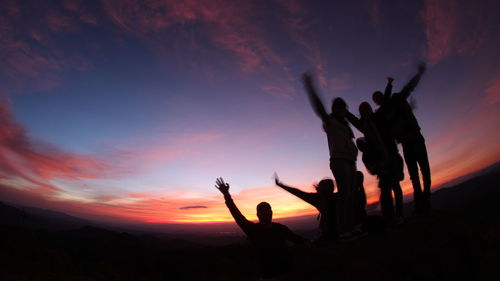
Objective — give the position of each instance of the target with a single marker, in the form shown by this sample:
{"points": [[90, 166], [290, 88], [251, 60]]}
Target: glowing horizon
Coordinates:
{"points": [[129, 111]]}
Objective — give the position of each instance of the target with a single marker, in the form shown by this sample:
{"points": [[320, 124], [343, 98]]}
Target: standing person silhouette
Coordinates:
{"points": [[343, 154], [324, 200], [381, 160], [267, 237], [405, 129]]}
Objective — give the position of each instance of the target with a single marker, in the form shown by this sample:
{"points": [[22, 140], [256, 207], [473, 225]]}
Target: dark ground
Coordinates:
{"points": [[459, 241]]}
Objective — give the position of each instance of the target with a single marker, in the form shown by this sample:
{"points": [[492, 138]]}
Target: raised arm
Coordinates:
{"points": [[412, 84], [314, 99], [235, 212], [308, 197], [354, 121], [388, 89]]}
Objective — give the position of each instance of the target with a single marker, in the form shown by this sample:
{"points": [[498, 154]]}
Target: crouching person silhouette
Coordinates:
{"points": [[325, 201], [267, 237]]}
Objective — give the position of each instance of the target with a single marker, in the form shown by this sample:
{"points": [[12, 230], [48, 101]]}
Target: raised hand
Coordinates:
{"points": [[277, 180], [421, 67], [307, 79], [222, 186], [390, 79]]}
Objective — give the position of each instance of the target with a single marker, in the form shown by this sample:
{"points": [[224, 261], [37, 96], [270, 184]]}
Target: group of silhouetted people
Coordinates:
{"points": [[342, 214]]}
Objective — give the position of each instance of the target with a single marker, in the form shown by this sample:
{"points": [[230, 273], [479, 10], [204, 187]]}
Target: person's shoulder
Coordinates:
{"points": [[396, 97], [279, 226], [332, 122], [328, 120]]}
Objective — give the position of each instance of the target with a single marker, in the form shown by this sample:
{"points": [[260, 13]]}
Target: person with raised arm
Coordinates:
{"points": [[324, 200], [343, 154], [381, 160], [267, 237], [405, 129]]}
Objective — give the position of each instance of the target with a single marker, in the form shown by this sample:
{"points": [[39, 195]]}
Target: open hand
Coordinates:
{"points": [[222, 186]]}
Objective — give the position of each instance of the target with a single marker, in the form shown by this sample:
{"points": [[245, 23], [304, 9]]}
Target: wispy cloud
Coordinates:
{"points": [[38, 162], [225, 23], [452, 29], [193, 207], [493, 91], [30, 60]]}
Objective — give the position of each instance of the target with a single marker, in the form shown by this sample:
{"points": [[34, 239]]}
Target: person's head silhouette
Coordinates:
{"points": [[378, 98], [339, 108], [264, 212], [365, 110], [361, 144], [325, 186]]}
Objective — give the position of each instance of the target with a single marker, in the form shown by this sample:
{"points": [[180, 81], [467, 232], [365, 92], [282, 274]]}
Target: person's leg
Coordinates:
{"points": [[386, 200], [340, 169], [352, 190], [423, 162], [412, 166], [398, 198]]}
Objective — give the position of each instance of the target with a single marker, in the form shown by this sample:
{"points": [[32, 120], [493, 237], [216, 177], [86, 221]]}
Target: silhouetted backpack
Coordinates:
{"points": [[372, 161]]}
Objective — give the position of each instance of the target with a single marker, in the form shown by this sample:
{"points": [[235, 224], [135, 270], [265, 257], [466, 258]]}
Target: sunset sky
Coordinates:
{"points": [[123, 110]]}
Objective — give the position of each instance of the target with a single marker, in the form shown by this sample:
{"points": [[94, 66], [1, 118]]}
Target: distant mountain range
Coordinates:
{"points": [[482, 186], [490, 169], [460, 240]]}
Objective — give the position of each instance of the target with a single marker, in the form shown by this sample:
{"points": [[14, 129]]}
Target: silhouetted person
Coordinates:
{"points": [[268, 238], [324, 200], [383, 116], [375, 167], [406, 130], [389, 179], [382, 159], [368, 126], [343, 154]]}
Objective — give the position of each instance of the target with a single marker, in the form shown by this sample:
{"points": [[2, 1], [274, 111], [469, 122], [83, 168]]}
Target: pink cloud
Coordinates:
{"points": [[136, 156], [58, 22], [297, 24], [35, 65], [214, 26], [493, 91], [36, 162], [339, 83], [451, 29], [72, 5], [283, 90], [227, 24]]}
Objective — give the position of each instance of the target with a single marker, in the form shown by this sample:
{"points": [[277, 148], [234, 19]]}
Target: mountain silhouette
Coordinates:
{"points": [[460, 240]]}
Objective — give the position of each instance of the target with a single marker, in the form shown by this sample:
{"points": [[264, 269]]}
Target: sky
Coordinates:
{"points": [[123, 110]]}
